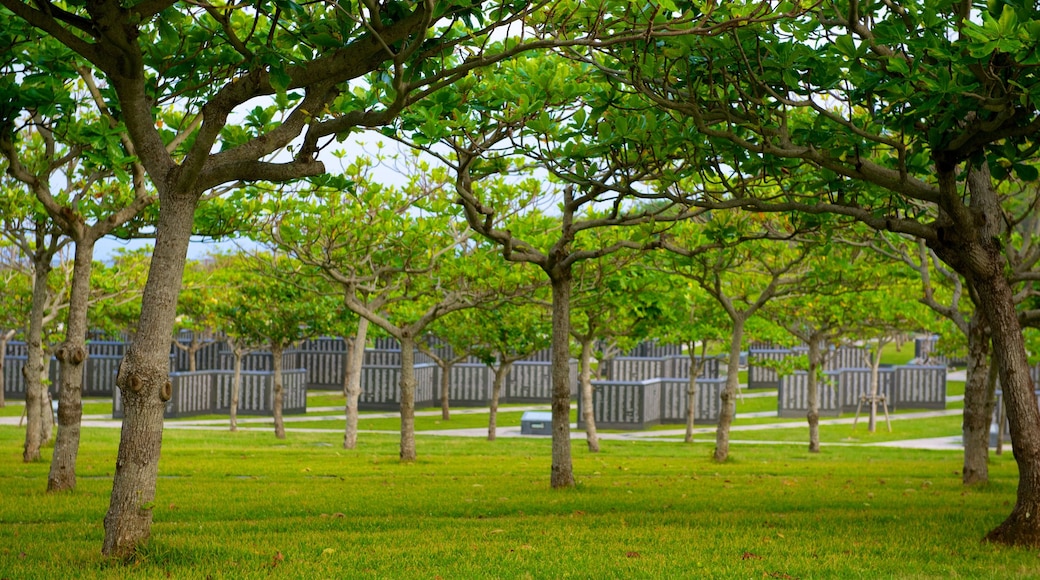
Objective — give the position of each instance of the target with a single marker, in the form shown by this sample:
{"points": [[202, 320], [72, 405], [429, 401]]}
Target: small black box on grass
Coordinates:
{"points": [[536, 423]]}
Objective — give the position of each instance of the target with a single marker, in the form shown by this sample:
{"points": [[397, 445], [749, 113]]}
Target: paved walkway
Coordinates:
{"points": [[296, 423]]}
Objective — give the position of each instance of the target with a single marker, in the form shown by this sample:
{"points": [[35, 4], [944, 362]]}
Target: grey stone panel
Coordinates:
{"points": [[381, 386], [624, 368], [793, 395], [325, 369], [106, 348], [920, 387], [761, 377], [708, 400], [624, 404], [678, 367], [529, 382], [855, 382], [100, 372], [469, 385]]}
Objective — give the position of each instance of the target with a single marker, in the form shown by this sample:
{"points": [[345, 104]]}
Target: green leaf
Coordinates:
{"points": [[1026, 172]]}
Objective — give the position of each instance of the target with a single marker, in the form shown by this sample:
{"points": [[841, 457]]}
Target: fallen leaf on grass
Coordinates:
{"points": [[750, 556], [278, 557], [780, 575], [633, 554], [328, 551]]}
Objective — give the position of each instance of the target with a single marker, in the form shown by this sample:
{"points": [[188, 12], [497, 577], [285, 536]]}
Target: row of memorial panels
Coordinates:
{"points": [[642, 404]]}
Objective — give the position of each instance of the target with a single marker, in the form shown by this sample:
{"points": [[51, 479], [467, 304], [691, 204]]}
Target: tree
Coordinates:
{"points": [[195, 310], [943, 291], [906, 119], [61, 144], [272, 310], [744, 273], [610, 305], [503, 134], [850, 295], [14, 301], [691, 317], [408, 267], [212, 63], [26, 226]]}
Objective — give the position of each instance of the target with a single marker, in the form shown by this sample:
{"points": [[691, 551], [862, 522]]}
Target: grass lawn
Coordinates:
{"points": [[245, 505]]}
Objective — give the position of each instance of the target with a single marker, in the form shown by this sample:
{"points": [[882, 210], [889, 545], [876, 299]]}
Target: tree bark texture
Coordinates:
{"points": [[691, 393], [72, 355], [1022, 527], [562, 474], [4, 338], [728, 409], [407, 398], [279, 392], [501, 372], [236, 387], [145, 385], [588, 411], [353, 383], [813, 416], [978, 404], [35, 363], [445, 390]]}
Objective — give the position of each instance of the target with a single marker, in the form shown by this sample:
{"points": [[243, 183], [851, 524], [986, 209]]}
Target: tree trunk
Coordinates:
{"points": [[501, 372], [813, 416], [691, 392], [407, 398], [47, 415], [875, 385], [353, 383], [279, 393], [562, 474], [145, 385], [4, 338], [1022, 527], [445, 367], [588, 411], [728, 409], [71, 357], [236, 386], [35, 365], [348, 356], [978, 404]]}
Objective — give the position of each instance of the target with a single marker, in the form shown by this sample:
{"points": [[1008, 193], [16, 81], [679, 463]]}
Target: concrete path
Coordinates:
{"points": [[296, 423]]}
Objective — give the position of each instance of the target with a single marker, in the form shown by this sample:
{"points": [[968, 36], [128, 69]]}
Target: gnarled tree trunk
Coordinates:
{"points": [[35, 365], [71, 357], [145, 384], [978, 403]]}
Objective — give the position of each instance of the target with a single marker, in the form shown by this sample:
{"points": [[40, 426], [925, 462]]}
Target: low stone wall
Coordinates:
{"points": [[209, 393], [624, 404], [904, 387]]}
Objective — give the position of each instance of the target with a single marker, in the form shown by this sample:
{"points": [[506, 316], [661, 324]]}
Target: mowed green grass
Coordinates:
{"points": [[245, 505]]}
